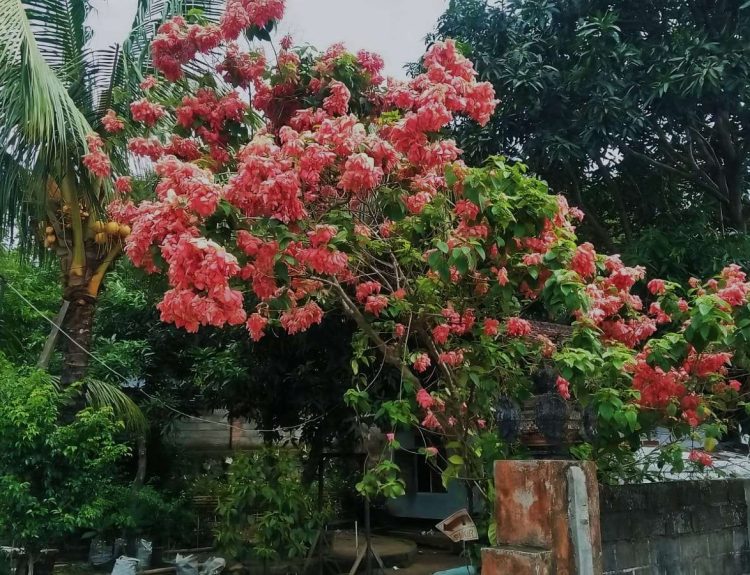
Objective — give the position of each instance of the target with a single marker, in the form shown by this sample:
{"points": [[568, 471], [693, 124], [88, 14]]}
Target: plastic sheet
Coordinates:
{"points": [[213, 566], [186, 565], [125, 566]]}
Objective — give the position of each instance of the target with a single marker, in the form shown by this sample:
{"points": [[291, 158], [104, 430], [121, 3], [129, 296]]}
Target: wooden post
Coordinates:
{"points": [[49, 345]]}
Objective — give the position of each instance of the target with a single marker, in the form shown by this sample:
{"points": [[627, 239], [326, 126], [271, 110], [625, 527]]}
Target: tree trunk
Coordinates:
{"points": [[592, 219], [78, 325], [736, 213], [140, 474]]}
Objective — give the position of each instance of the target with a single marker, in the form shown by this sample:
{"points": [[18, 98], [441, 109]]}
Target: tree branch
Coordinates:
{"points": [[711, 188], [387, 352]]}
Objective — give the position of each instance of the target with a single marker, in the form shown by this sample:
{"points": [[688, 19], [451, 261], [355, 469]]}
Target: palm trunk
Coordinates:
{"points": [[78, 325]]}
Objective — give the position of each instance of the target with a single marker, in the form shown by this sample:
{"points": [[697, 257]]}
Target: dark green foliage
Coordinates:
{"points": [[22, 330], [635, 111], [149, 512]]}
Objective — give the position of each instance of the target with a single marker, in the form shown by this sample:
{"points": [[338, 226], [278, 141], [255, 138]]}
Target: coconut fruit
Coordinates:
{"points": [[100, 238], [112, 228], [124, 231]]}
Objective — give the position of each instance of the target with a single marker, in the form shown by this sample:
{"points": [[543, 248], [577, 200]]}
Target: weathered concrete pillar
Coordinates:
{"points": [[547, 514]]}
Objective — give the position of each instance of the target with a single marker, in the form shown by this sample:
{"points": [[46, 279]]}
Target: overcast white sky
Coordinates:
{"points": [[393, 28]]}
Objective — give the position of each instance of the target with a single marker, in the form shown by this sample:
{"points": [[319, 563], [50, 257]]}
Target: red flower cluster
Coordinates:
{"points": [[658, 388], [701, 458], [301, 318], [424, 399], [452, 358], [256, 324], [517, 327], [584, 261], [563, 387], [124, 184]]}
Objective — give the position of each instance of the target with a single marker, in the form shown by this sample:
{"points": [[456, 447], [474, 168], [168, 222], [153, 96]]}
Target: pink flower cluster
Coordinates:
{"points": [[242, 69], [189, 184], [517, 327], [177, 42], [146, 112], [96, 161], [112, 123], [734, 289], [199, 272], [241, 14]]}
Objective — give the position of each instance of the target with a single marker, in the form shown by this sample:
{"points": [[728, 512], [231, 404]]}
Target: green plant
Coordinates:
{"points": [[53, 475], [266, 512]]}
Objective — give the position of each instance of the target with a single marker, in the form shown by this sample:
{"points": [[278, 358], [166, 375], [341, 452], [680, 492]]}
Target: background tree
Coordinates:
{"points": [[22, 345], [636, 112]]}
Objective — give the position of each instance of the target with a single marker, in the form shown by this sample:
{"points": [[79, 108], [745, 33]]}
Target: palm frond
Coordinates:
{"points": [[60, 30], [104, 394], [40, 125], [129, 64], [14, 204]]}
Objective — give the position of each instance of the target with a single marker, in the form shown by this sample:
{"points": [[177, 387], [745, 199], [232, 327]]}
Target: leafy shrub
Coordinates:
{"points": [[53, 475], [266, 512]]}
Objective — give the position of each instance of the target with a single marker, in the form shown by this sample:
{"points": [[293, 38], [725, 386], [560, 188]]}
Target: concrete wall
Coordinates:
{"points": [[212, 434], [680, 527]]}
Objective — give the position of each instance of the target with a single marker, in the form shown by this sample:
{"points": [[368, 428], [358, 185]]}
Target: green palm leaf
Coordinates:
{"points": [[103, 394], [41, 125]]}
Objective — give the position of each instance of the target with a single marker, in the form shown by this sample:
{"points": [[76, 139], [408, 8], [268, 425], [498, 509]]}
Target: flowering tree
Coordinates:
{"points": [[290, 188]]}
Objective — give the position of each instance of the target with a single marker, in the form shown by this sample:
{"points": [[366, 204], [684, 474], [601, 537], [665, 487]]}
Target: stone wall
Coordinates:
{"points": [[680, 527]]}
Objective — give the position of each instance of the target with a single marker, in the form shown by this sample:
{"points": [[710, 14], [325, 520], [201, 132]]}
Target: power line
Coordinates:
{"points": [[5, 282]]}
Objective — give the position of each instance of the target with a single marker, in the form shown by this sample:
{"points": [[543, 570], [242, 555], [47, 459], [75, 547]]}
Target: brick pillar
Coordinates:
{"points": [[547, 514]]}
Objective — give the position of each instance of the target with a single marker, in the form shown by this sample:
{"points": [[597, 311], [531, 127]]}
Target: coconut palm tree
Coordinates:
{"points": [[53, 91]]}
